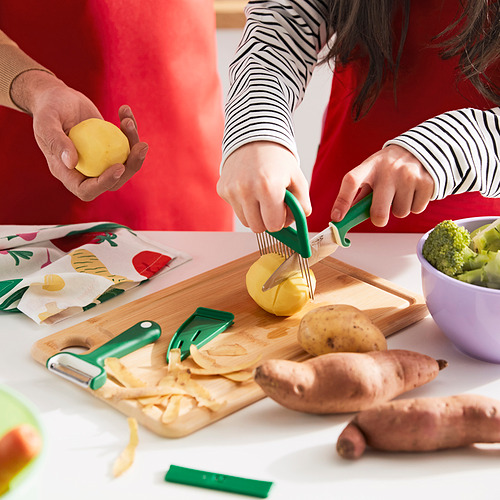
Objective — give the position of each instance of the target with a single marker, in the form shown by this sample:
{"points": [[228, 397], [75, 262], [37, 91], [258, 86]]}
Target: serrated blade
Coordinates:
{"points": [[322, 245]]}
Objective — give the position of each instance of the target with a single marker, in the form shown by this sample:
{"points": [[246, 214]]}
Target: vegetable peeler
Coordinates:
{"points": [[87, 370], [201, 327], [288, 240]]}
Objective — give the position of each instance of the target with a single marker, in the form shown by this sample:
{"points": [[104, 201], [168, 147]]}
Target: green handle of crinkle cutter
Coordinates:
{"points": [[356, 215], [297, 239]]}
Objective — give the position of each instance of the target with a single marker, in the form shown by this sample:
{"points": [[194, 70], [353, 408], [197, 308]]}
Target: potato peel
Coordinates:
{"points": [[208, 366], [127, 456]]}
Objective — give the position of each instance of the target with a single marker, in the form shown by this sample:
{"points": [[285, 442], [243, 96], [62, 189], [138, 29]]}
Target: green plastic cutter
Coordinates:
{"points": [[201, 327]]}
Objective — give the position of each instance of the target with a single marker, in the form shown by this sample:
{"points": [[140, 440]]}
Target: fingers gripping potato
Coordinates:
{"points": [[339, 328]]}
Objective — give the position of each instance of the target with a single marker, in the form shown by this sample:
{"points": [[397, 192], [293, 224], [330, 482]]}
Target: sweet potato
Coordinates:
{"points": [[18, 447], [422, 424], [343, 382]]}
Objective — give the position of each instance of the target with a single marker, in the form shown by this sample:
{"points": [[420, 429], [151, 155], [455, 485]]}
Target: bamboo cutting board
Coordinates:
{"points": [[390, 307]]}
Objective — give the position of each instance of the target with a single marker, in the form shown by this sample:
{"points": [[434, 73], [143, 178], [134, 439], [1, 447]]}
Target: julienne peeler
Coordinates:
{"points": [[289, 240], [201, 327], [87, 370]]}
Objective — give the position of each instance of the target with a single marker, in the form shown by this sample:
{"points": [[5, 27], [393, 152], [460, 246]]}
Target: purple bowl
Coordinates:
{"points": [[467, 314]]}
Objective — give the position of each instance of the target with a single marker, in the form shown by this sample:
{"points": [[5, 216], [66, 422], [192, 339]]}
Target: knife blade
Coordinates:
{"points": [[324, 243]]}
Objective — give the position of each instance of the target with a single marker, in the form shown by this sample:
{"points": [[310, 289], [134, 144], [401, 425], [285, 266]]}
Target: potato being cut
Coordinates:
{"points": [[100, 144], [285, 299], [339, 328]]}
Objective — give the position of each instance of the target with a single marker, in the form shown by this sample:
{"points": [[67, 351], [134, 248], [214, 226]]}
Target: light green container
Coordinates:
{"points": [[15, 409]]}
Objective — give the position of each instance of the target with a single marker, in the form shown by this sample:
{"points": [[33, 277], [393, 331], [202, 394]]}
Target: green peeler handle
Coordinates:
{"points": [[357, 214], [296, 239], [137, 336]]}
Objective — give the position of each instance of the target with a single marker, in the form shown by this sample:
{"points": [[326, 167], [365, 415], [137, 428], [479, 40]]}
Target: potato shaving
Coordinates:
{"points": [[227, 350], [126, 458], [120, 372], [177, 392], [209, 366], [174, 361], [172, 409], [241, 376]]}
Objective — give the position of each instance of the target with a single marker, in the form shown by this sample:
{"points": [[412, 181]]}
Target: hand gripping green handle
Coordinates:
{"points": [[355, 215], [296, 239], [139, 335]]}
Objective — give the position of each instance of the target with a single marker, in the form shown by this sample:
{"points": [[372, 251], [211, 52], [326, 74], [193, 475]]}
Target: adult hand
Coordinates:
{"points": [[253, 181], [399, 182], [56, 108]]}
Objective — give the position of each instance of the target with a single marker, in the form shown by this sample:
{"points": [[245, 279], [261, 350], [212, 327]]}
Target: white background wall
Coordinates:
{"points": [[307, 117]]}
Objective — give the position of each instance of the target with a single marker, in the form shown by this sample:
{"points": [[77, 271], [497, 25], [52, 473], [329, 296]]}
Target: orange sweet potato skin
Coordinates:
{"points": [[18, 447], [422, 424], [344, 382]]}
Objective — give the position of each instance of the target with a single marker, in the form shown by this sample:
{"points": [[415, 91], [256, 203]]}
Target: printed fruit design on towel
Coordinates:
{"points": [[52, 283], [148, 263], [72, 241], [84, 261]]}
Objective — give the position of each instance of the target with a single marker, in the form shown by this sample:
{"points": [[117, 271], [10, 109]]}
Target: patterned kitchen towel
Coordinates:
{"points": [[55, 272]]}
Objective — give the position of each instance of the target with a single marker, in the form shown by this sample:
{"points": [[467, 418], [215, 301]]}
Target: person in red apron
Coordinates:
{"points": [[260, 159], [159, 59]]}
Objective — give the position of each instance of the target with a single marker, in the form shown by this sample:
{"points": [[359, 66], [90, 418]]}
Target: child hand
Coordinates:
{"points": [[253, 181], [399, 182]]}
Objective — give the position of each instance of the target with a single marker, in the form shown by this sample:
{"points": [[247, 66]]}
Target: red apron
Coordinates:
{"points": [[158, 57], [426, 86]]}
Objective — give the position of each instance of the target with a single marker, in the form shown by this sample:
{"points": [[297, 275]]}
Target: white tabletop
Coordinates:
{"points": [[265, 441]]}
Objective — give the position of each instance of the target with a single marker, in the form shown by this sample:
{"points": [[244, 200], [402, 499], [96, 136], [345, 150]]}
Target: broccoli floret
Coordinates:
{"points": [[474, 277], [447, 248], [487, 237]]}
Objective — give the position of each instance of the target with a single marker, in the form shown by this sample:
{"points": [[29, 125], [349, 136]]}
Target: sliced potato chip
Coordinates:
{"points": [[207, 364], [227, 350], [126, 458]]}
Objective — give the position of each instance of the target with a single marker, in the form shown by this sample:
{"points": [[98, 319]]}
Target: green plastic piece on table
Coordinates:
{"points": [[76, 366], [297, 239], [201, 327], [356, 214], [221, 482]]}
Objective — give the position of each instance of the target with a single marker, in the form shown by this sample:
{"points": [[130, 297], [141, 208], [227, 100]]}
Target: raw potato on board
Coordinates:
{"points": [[285, 299], [422, 424], [343, 382], [100, 144], [339, 328]]}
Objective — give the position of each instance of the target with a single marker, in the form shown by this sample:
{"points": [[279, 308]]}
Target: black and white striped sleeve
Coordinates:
{"points": [[460, 149], [272, 66]]}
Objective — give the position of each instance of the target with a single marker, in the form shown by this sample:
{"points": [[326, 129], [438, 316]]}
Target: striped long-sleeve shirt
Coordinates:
{"points": [[276, 57]]}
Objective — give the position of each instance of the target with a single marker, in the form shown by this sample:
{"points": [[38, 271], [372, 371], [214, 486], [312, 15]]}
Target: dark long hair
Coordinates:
{"points": [[363, 28]]}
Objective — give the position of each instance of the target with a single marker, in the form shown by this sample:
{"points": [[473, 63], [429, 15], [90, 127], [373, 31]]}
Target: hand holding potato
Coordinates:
{"points": [[56, 108]]}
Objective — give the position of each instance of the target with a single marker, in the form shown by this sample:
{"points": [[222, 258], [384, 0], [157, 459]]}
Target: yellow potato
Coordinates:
{"points": [[339, 328], [285, 299], [100, 144]]}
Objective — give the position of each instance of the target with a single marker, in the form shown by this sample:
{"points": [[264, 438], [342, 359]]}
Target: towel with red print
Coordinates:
{"points": [[55, 272]]}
